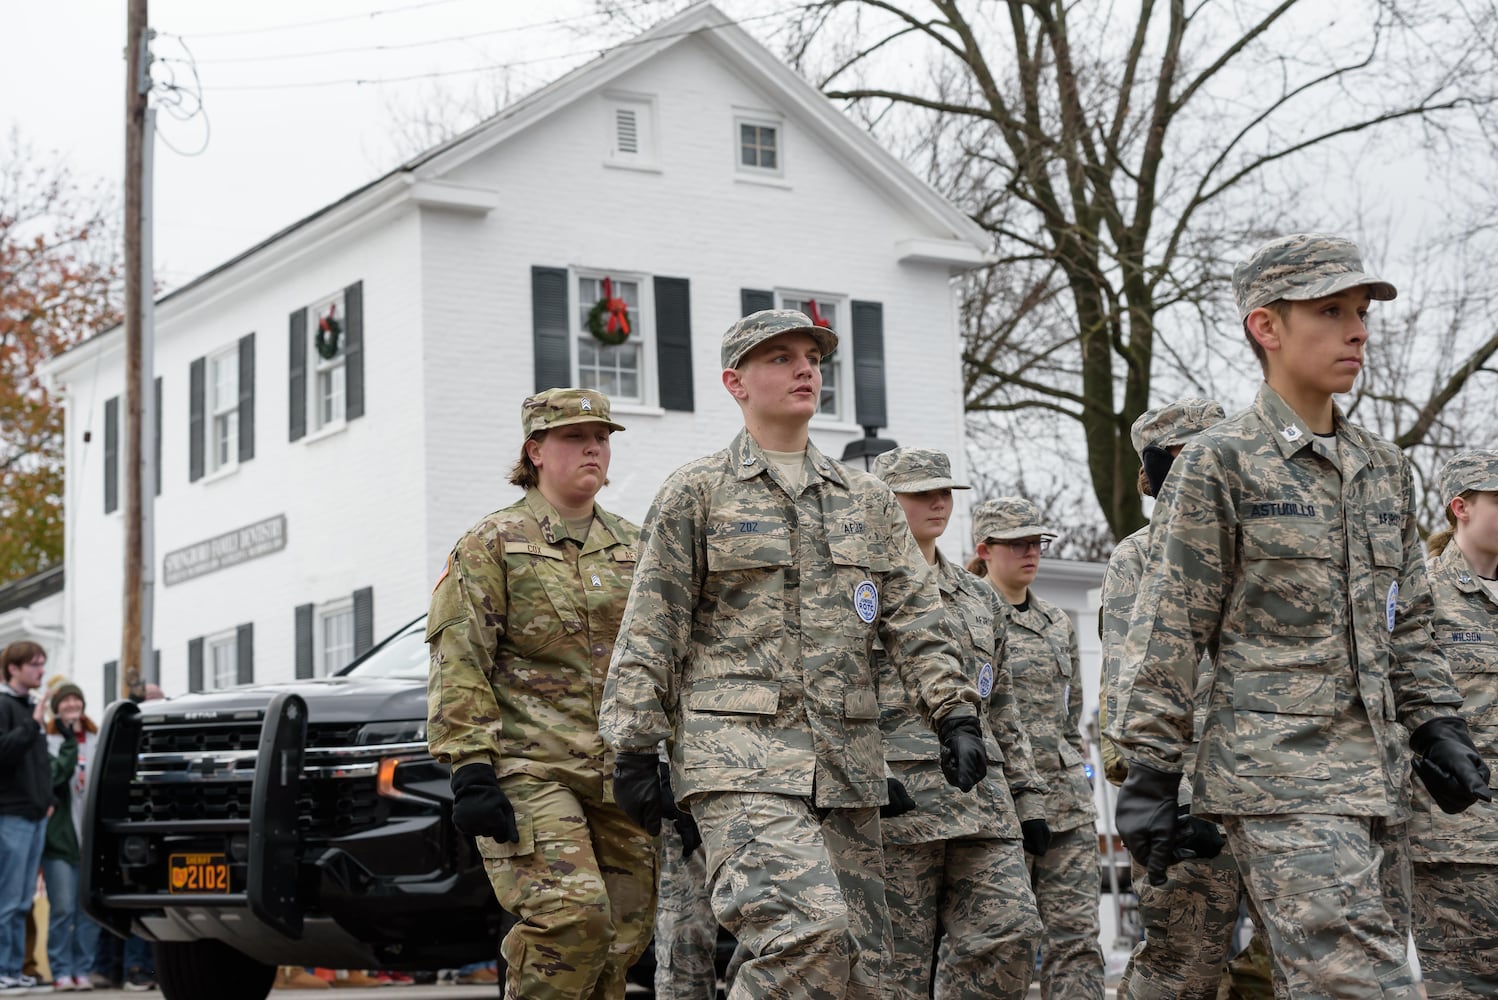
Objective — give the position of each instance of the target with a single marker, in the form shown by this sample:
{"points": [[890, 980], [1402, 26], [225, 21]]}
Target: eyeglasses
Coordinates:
{"points": [[1020, 546]]}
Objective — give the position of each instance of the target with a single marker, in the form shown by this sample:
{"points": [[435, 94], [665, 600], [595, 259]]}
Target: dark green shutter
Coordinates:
{"points": [[551, 327], [111, 681], [111, 454], [158, 439], [752, 300], [353, 351], [247, 397], [244, 655], [296, 390], [363, 620], [197, 374], [673, 342], [304, 668], [868, 365], [195, 664]]}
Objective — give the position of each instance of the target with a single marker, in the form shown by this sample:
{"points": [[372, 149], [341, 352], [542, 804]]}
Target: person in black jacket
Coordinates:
{"points": [[25, 797]]}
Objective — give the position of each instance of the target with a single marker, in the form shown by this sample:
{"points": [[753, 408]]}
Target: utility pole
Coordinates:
{"points": [[139, 295]]}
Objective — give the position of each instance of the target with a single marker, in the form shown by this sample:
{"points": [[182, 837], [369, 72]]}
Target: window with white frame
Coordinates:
{"points": [[616, 370], [327, 337], [834, 376], [223, 406], [222, 654], [335, 638], [759, 145]]}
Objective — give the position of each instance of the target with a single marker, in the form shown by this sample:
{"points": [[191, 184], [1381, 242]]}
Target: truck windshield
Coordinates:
{"points": [[403, 654]]}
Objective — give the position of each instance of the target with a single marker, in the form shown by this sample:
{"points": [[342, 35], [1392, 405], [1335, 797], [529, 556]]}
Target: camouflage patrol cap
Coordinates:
{"points": [[1468, 470], [1300, 267], [559, 407], [1175, 423], [1006, 519], [756, 328], [916, 470]]}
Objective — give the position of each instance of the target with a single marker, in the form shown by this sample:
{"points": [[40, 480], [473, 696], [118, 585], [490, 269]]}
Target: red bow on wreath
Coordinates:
{"points": [[817, 319], [617, 309]]}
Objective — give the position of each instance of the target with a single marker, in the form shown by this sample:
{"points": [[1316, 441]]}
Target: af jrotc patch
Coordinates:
{"points": [[985, 680], [1391, 604], [866, 601]]}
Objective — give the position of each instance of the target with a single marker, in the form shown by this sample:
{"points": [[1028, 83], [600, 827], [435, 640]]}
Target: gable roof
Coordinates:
{"points": [[961, 242]]}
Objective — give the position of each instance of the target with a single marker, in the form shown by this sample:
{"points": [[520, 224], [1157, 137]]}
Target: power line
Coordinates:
{"points": [[396, 46], [368, 81], [320, 21]]}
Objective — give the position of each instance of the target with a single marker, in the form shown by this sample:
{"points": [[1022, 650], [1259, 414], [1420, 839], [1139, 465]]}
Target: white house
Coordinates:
{"points": [[308, 496]]}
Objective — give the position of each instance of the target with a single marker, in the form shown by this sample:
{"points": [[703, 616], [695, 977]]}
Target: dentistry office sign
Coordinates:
{"points": [[229, 549]]}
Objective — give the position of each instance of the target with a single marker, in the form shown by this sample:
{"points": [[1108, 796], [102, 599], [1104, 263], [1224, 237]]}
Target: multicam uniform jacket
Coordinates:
{"points": [[1466, 629], [749, 630], [1299, 567], [1041, 653], [521, 629], [977, 618]]}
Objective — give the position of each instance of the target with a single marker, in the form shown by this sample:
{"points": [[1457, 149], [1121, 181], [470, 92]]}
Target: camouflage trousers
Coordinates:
{"points": [[803, 891], [1252, 974], [1333, 892], [1456, 929], [581, 882], [686, 932], [978, 891], [1188, 933], [1067, 881]]}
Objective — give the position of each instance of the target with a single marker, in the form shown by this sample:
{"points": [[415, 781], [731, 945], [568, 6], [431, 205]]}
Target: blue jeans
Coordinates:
{"points": [[20, 852], [72, 938]]}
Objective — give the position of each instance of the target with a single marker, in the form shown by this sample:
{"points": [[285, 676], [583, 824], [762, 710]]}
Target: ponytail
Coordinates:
{"points": [[977, 567]]}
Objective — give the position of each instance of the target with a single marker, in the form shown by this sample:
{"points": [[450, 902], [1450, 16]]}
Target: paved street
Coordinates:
{"points": [[438, 992]]}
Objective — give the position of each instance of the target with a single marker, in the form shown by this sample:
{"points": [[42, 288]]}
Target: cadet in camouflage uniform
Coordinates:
{"points": [[765, 574], [1189, 921], [958, 860], [1455, 897], [1284, 543], [1041, 654], [521, 629], [686, 932]]}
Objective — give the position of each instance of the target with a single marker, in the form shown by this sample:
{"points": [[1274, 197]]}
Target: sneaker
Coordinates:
{"points": [[137, 981], [294, 977], [21, 986], [82, 984], [355, 978], [64, 984], [394, 979], [99, 981], [478, 977]]}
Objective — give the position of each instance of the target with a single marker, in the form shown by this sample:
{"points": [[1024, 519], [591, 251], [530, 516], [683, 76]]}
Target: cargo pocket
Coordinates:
{"points": [[729, 723], [1282, 722], [503, 850], [746, 583], [1300, 892], [1286, 577]]}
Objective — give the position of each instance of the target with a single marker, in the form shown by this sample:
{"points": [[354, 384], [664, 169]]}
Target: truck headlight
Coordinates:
{"points": [[396, 731]]}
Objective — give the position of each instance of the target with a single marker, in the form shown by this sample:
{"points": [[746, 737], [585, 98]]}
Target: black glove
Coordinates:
{"points": [[1197, 839], [480, 806], [686, 826], [1146, 817], [1449, 765], [1037, 836], [637, 789], [899, 802], [65, 730], [963, 760]]}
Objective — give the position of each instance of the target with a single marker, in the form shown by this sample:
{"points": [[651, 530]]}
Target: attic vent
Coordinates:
{"points": [[626, 131]]}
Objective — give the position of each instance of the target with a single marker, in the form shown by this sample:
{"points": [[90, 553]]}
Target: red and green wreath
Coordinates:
{"points": [[608, 320], [329, 329]]}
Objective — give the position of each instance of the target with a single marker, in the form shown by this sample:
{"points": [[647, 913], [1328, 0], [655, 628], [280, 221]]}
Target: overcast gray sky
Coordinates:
{"points": [[282, 140]]}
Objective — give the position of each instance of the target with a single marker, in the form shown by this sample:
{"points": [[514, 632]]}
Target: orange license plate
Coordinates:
{"points": [[198, 873]]}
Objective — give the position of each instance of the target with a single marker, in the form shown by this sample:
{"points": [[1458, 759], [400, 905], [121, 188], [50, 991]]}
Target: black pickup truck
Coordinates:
{"points": [[301, 823]]}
